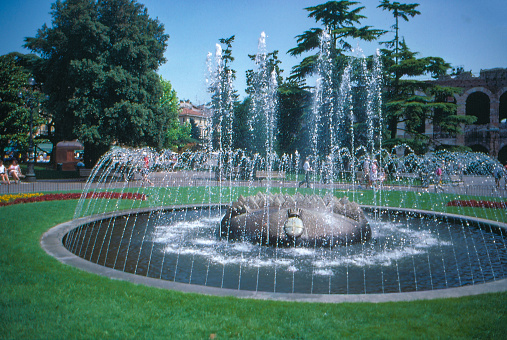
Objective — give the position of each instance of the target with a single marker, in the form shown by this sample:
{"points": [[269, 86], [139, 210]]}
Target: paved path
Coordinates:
{"points": [[471, 185]]}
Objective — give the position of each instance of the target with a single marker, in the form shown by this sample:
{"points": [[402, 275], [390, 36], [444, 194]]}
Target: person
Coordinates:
{"points": [[15, 171], [327, 171], [174, 161], [498, 174], [3, 173], [373, 174], [307, 168], [80, 165], [438, 173], [366, 171], [146, 170]]}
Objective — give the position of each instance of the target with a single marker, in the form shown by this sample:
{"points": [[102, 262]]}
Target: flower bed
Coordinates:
{"points": [[12, 197], [37, 197], [477, 204]]}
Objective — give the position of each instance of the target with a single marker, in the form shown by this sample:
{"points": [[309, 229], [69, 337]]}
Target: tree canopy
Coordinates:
{"points": [[399, 10], [410, 102], [17, 101], [100, 58], [176, 135], [340, 22]]}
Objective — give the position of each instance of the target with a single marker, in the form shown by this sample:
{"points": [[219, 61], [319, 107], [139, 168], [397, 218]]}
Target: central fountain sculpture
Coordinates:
{"points": [[286, 220]]}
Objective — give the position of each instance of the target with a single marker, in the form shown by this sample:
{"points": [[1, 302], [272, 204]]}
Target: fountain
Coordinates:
{"points": [[295, 220], [209, 223]]}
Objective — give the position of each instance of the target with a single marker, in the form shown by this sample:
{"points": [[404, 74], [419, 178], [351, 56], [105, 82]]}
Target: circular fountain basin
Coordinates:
{"points": [[411, 255]]}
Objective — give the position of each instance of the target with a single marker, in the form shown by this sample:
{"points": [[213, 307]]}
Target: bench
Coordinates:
{"points": [[20, 175], [261, 174]]}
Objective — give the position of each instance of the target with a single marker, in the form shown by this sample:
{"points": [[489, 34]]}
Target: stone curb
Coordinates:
{"points": [[52, 243]]}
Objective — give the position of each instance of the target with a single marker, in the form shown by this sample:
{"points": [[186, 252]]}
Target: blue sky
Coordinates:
{"points": [[467, 33]]}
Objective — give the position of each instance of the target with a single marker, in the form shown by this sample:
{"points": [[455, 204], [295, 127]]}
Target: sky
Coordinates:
{"points": [[467, 33]]}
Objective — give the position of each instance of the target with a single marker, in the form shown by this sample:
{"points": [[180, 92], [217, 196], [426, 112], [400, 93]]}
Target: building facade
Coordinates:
{"points": [[484, 97], [199, 114]]}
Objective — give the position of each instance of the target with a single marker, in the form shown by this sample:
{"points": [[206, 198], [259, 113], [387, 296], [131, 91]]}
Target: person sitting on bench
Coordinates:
{"points": [[15, 171], [3, 173]]}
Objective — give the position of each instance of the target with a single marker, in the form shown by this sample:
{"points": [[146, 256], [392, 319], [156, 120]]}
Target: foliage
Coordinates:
{"points": [[339, 22], [195, 131], [294, 104], [241, 132], [179, 136], [410, 101], [174, 133], [17, 102], [262, 87], [100, 59], [399, 11]]}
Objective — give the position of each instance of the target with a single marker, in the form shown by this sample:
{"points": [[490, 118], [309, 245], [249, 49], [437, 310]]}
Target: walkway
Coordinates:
{"points": [[471, 185]]}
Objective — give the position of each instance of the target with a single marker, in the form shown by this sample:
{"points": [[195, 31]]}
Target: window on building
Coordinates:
{"points": [[478, 104], [503, 108]]}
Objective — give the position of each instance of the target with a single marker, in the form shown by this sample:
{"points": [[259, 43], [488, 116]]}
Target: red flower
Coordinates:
{"points": [[477, 204]]}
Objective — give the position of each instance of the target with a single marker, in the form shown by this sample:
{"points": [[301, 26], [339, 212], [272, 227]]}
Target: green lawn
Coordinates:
{"points": [[44, 299], [202, 195]]}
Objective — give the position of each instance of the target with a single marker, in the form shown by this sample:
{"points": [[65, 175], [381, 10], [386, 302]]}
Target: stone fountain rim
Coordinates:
{"points": [[52, 243]]}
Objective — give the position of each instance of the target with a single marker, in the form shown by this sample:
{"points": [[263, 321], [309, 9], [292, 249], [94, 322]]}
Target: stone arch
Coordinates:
{"points": [[502, 155], [478, 103], [502, 109], [479, 148]]}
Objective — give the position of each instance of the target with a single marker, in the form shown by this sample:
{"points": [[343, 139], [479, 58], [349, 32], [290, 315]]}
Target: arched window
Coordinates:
{"points": [[479, 148], [503, 108], [502, 155], [478, 105]]}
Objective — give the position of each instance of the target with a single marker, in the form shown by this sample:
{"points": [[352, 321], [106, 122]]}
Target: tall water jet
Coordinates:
{"points": [[346, 114], [263, 116], [220, 87]]}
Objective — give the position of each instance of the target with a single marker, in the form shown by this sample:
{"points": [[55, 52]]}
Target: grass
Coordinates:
{"points": [[42, 298], [201, 195]]}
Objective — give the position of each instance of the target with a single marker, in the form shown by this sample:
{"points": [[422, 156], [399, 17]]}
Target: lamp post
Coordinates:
{"points": [[30, 173]]}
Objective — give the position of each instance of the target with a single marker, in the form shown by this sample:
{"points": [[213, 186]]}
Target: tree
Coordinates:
{"points": [[16, 101], [241, 132], [179, 137], [195, 131], [170, 108], [339, 22], [411, 101], [294, 103], [399, 10], [100, 59], [263, 111]]}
